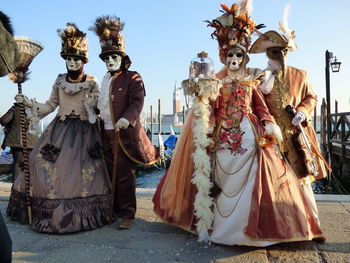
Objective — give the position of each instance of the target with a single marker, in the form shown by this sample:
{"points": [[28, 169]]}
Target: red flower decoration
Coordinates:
{"points": [[239, 91], [229, 123], [223, 137], [236, 138]]}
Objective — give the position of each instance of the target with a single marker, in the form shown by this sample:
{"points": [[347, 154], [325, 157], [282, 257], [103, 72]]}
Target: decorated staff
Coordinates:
{"points": [[28, 50], [203, 87]]}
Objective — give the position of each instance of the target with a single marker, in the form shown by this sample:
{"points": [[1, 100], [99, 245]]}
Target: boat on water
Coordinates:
{"points": [[165, 142]]}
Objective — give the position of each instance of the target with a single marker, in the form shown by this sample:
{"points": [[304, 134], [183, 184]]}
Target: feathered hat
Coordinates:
{"points": [[275, 39], [235, 27], [74, 42], [108, 29]]}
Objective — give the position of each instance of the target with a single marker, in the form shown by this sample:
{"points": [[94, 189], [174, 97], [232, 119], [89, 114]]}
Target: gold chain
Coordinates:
{"points": [[241, 190], [232, 173]]}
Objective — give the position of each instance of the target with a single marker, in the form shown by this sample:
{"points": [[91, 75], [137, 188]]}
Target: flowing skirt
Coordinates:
{"points": [[262, 201], [69, 183], [235, 175]]}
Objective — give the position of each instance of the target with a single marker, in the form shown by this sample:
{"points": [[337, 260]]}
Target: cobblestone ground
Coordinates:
{"points": [[152, 241]]}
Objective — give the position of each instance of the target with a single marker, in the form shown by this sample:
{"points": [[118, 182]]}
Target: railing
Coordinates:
{"points": [[340, 134]]}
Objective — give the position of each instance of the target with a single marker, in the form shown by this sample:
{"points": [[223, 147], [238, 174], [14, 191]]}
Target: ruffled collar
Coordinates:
{"points": [[73, 88]]}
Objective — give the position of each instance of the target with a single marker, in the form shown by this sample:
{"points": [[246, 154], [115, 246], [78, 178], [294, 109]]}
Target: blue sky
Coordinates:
{"points": [[162, 37]]}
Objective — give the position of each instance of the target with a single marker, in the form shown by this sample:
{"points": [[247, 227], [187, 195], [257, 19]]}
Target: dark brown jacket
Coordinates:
{"points": [[127, 94], [12, 122]]}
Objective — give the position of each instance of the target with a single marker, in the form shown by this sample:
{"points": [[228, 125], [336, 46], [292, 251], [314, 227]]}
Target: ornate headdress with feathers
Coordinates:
{"points": [[108, 29], [234, 27], [273, 38], [74, 42]]}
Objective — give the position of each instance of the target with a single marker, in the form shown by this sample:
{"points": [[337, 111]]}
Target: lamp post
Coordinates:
{"points": [[335, 66]]}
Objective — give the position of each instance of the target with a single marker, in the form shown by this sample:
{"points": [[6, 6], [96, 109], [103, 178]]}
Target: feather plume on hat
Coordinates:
{"points": [[283, 25], [108, 29], [234, 27], [74, 42], [273, 38]]}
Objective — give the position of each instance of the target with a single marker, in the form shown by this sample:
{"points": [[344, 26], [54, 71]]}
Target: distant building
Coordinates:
{"points": [[176, 100], [172, 118]]}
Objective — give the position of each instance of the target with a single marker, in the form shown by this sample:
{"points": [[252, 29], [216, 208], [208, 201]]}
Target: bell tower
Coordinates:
{"points": [[176, 100]]}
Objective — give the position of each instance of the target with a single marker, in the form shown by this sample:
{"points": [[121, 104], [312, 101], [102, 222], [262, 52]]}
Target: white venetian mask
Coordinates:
{"points": [[234, 58], [73, 63], [113, 62]]}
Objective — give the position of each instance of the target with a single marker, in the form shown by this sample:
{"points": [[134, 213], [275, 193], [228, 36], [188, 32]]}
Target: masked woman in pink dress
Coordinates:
{"points": [[244, 193]]}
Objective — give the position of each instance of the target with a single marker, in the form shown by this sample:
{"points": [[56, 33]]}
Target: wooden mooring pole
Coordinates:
{"points": [[183, 114], [159, 118], [336, 117], [151, 110], [323, 127], [315, 119]]}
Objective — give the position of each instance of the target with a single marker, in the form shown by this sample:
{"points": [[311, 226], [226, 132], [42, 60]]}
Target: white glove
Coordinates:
{"points": [[275, 130], [90, 100], [299, 117], [20, 98], [122, 123]]}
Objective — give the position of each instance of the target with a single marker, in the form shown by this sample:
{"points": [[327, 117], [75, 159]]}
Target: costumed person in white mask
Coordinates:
{"points": [[282, 86], [253, 197], [125, 143], [70, 186]]}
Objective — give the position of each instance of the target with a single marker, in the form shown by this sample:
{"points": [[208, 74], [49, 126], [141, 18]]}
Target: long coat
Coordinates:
{"points": [[12, 122], [294, 89], [127, 94]]}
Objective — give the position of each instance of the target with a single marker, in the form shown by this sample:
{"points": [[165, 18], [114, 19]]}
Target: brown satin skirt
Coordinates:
{"points": [[71, 189]]}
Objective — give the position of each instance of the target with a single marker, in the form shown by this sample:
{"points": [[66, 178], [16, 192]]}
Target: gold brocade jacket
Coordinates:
{"points": [[294, 89]]}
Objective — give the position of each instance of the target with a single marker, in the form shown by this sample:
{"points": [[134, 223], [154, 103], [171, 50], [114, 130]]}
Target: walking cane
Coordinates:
{"points": [[25, 154], [114, 174], [28, 49]]}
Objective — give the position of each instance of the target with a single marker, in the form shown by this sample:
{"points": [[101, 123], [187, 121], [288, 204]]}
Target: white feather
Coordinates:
{"points": [[283, 25], [201, 176], [246, 6]]}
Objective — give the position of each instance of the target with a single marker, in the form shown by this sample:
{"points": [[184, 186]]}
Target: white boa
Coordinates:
{"points": [[201, 176]]}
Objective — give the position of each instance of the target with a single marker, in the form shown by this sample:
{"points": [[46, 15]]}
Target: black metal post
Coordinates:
{"points": [[328, 98]]}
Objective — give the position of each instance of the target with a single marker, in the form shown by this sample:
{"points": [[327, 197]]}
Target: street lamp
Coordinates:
{"points": [[335, 65]]}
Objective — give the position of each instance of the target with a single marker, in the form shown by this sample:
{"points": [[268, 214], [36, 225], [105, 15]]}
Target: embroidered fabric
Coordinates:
{"points": [[50, 152], [72, 88]]}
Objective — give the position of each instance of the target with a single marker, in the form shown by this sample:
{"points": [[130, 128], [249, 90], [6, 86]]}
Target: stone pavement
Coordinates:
{"points": [[152, 241]]}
